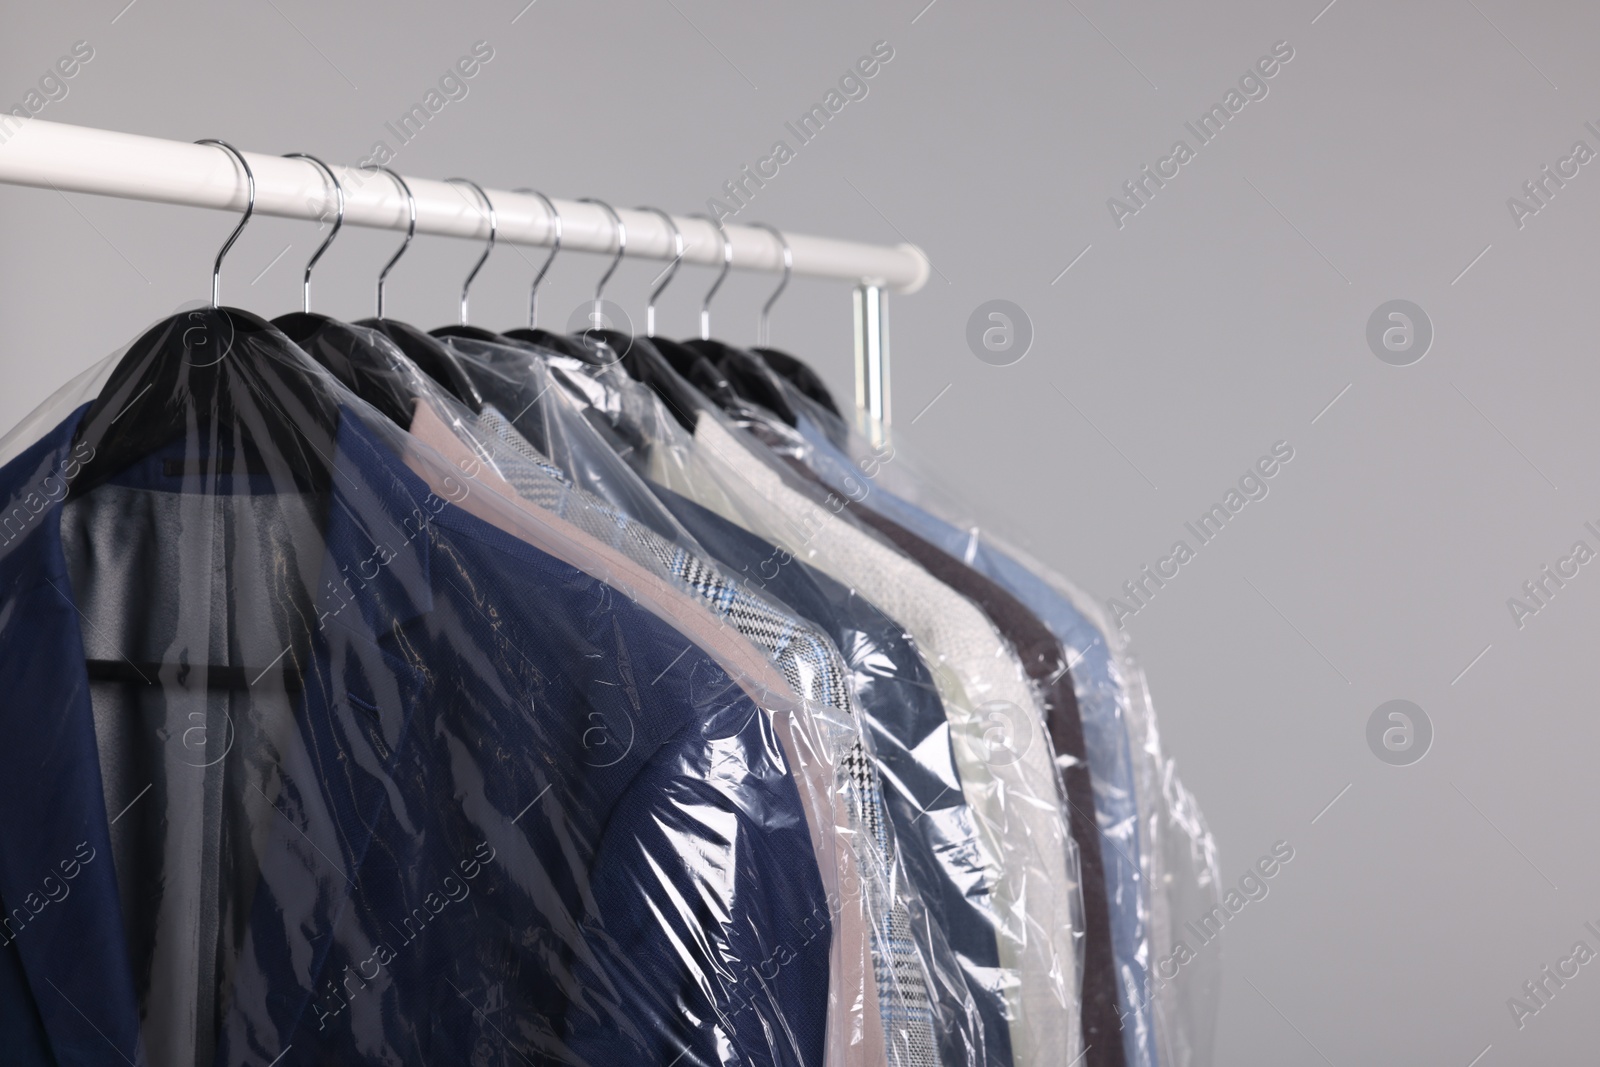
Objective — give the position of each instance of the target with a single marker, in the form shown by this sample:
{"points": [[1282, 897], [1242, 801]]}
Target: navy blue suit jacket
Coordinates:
{"points": [[524, 820]]}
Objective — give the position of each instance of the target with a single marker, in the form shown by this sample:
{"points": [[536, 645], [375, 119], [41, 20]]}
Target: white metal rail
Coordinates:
{"points": [[85, 160]]}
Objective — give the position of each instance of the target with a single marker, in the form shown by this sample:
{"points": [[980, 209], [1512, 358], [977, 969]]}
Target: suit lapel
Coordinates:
{"points": [[63, 917]]}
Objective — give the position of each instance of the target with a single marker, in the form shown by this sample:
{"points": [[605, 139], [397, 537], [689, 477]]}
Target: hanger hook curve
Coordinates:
{"points": [[249, 208], [666, 275], [411, 228], [338, 189], [727, 261], [622, 246], [764, 320], [489, 204], [555, 247]]}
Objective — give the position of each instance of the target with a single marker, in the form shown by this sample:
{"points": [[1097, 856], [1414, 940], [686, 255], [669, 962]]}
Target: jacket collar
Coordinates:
{"points": [[57, 883]]}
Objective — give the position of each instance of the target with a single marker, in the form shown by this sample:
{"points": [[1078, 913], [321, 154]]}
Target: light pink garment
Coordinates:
{"points": [[855, 1025]]}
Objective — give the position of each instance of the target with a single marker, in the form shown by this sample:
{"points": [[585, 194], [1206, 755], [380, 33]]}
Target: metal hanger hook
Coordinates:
{"points": [[489, 204], [622, 247], [666, 275], [338, 189], [555, 247], [727, 261], [764, 320], [249, 208], [411, 228]]}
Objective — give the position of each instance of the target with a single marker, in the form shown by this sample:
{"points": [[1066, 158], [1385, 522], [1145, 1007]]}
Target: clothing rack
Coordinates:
{"points": [[85, 160]]}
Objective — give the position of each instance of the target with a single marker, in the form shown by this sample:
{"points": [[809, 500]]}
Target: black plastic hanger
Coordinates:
{"points": [[344, 351], [800, 375], [432, 356], [233, 372], [215, 374], [473, 333], [705, 363], [533, 333], [690, 366], [739, 377], [749, 378], [645, 362], [671, 371], [700, 372], [642, 359], [221, 377], [590, 346]]}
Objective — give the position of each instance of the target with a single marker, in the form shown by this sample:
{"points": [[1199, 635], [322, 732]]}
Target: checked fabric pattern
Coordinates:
{"points": [[813, 667]]}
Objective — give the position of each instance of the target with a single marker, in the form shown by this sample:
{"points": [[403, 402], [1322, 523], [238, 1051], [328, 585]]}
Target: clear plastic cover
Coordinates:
{"points": [[1185, 988], [1003, 757], [1049, 662], [325, 745], [583, 728], [530, 400], [930, 1015], [1161, 859]]}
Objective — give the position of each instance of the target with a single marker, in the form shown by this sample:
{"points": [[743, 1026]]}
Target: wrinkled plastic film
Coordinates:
{"points": [[1186, 987], [930, 1016], [79, 390], [518, 470], [1047, 662], [1095, 679], [354, 756], [1176, 849], [856, 1028], [1162, 859], [1003, 755], [1004, 760], [526, 394]]}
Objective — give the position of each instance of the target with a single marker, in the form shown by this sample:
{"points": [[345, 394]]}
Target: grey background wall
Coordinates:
{"points": [[1227, 314]]}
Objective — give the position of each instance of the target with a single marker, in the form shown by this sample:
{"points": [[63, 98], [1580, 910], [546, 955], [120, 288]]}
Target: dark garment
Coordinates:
{"points": [[452, 869], [902, 710], [1046, 663], [799, 375]]}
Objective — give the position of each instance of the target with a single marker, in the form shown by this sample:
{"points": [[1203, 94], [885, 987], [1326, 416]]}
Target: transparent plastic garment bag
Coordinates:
{"points": [[1161, 868], [1013, 848], [324, 747], [930, 1014], [1116, 1023]]}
